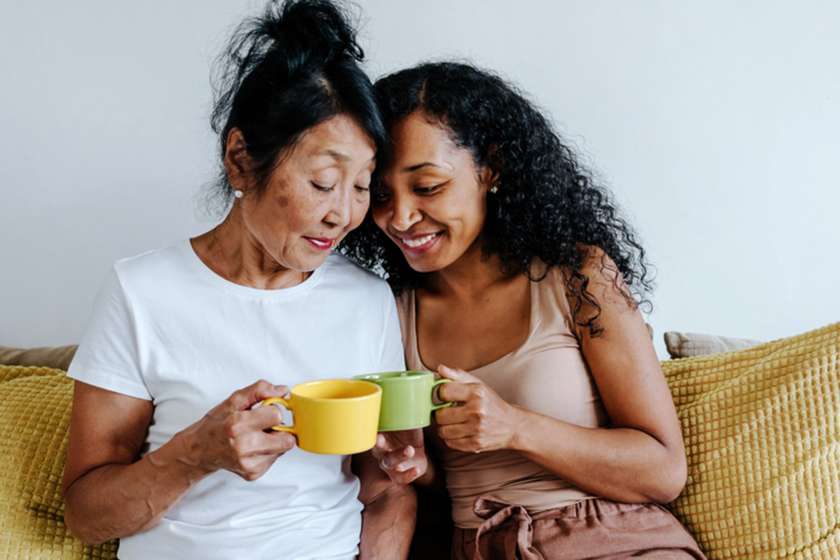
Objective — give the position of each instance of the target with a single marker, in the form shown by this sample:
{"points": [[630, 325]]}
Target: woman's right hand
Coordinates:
{"points": [[238, 439], [402, 455]]}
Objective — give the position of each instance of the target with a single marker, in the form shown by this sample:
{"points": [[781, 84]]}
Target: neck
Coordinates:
{"points": [[233, 253], [468, 277]]}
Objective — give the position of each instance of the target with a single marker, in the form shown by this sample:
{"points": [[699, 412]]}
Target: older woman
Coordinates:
{"points": [[519, 273], [166, 452]]}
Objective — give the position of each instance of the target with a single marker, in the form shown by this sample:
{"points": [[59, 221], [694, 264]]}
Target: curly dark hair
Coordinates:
{"points": [[547, 207]]}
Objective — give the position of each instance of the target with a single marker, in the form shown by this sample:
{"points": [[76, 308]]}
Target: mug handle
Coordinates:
{"points": [[443, 405], [285, 403]]}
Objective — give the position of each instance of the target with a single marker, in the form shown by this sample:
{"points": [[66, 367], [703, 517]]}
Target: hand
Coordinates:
{"points": [[482, 422], [402, 455], [237, 439]]}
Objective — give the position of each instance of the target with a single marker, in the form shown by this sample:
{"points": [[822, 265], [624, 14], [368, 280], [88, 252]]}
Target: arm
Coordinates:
{"points": [[110, 493], [639, 458], [390, 512]]}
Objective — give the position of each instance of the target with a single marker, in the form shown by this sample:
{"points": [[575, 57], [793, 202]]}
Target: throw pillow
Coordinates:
{"points": [[762, 437], [35, 415]]}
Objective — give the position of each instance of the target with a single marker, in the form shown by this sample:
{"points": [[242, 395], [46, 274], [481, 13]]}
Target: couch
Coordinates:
{"points": [[761, 423]]}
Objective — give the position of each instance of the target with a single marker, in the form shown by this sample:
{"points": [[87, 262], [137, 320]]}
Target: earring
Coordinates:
{"points": [[238, 194], [494, 189]]}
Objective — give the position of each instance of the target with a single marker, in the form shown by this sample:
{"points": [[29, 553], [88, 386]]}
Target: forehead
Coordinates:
{"points": [[417, 138], [337, 135]]}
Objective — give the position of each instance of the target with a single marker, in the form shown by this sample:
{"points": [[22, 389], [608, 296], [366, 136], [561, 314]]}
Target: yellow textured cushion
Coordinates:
{"points": [[34, 416], [762, 435]]}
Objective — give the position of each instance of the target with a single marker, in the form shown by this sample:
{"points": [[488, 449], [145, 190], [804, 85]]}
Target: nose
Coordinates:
{"points": [[404, 212], [341, 208]]}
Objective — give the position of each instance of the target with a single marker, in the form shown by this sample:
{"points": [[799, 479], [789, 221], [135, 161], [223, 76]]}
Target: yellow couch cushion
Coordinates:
{"points": [[34, 415], [762, 435]]}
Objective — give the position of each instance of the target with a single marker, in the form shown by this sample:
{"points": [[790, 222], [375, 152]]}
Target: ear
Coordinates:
{"points": [[237, 161], [489, 176]]}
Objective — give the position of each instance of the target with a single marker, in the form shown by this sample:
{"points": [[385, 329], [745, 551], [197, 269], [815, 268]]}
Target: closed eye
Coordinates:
{"points": [[322, 188], [427, 190]]}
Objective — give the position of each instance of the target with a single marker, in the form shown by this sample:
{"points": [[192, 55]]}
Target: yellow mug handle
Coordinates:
{"points": [[285, 403]]}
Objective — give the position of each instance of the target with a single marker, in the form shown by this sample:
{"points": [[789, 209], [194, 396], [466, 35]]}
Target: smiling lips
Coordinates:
{"points": [[321, 243], [420, 243]]}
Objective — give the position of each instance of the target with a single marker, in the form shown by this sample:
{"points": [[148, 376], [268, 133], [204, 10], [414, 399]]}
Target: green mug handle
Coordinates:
{"points": [[443, 405]]}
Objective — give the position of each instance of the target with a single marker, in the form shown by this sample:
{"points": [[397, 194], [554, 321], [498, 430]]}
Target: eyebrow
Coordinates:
{"points": [[418, 166]]}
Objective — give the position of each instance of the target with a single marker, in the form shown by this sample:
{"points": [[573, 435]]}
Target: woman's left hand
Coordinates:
{"points": [[481, 420]]}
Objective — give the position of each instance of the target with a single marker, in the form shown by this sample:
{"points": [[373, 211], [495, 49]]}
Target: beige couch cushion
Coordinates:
{"points": [[687, 345], [58, 357]]}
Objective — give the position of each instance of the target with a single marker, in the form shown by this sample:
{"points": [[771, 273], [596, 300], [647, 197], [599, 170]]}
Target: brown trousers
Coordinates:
{"points": [[591, 529]]}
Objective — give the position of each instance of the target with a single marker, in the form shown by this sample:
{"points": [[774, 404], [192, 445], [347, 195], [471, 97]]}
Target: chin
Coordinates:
{"points": [[308, 263], [425, 265]]}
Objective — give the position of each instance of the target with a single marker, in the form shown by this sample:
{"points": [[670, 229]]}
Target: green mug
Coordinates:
{"points": [[407, 398]]}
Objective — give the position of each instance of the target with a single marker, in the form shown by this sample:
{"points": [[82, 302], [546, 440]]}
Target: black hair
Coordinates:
{"points": [[547, 208], [284, 72]]}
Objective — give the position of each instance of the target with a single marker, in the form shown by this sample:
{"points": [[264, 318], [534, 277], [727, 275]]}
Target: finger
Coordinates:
{"points": [[455, 431], [406, 477], [394, 458], [406, 464], [465, 444], [455, 391], [401, 438], [245, 398], [452, 415], [263, 418], [382, 447], [457, 375], [275, 443]]}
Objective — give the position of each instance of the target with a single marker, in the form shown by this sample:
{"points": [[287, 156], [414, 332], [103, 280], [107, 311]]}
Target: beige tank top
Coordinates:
{"points": [[548, 375]]}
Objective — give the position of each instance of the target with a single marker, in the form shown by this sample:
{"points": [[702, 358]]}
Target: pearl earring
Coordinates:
{"points": [[238, 194], [494, 189]]}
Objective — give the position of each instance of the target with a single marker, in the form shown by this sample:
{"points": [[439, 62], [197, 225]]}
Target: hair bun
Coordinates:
{"points": [[310, 32]]}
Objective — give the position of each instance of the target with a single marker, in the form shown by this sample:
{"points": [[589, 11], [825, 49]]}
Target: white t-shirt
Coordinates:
{"points": [[168, 329]]}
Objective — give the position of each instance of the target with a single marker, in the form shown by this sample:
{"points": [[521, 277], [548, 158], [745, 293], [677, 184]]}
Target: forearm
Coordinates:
{"points": [[388, 524], [621, 464], [114, 501]]}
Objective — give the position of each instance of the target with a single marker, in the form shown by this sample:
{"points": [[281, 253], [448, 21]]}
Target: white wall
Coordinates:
{"points": [[717, 124]]}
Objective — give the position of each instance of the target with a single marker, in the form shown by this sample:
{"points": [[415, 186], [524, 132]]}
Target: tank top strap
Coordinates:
{"points": [[552, 308]]}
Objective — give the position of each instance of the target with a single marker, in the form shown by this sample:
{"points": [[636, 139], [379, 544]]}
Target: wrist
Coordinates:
{"points": [[519, 422], [188, 452], [428, 477]]}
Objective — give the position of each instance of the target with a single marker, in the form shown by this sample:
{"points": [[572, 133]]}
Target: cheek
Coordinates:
{"points": [[380, 214], [360, 209], [473, 211], [286, 213], [281, 201]]}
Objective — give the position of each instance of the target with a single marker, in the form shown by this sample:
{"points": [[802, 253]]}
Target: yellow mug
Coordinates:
{"points": [[333, 416]]}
